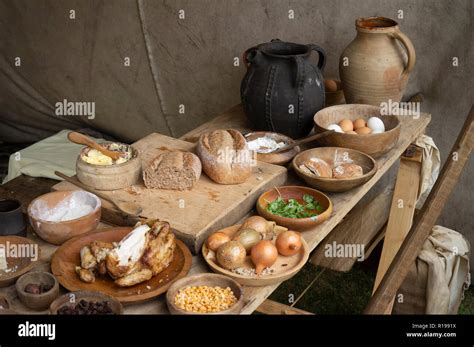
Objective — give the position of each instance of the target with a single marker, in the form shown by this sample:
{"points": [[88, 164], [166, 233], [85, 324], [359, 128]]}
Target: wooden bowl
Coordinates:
{"points": [[67, 257], [73, 298], [336, 97], [21, 264], [210, 280], [109, 177], [45, 222], [330, 154], [372, 144], [294, 192], [283, 269], [37, 301], [281, 158]]}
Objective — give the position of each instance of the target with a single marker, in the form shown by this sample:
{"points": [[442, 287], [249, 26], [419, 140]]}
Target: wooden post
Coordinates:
{"points": [[425, 221], [401, 211]]}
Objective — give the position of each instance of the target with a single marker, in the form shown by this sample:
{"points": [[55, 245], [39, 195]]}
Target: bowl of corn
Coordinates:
{"points": [[205, 294]]}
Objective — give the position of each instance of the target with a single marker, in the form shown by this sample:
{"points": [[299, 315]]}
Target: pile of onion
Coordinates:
{"points": [[254, 238]]}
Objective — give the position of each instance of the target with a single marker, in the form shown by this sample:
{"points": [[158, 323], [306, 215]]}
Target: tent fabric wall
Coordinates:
{"points": [[188, 64]]}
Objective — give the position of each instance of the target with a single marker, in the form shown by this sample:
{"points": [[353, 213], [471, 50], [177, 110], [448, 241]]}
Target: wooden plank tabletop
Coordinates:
{"points": [[26, 188]]}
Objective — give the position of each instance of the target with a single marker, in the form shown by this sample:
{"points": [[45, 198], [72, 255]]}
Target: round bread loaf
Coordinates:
{"points": [[173, 170], [225, 156]]}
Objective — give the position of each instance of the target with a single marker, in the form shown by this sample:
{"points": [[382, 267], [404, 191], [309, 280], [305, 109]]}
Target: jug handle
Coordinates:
{"points": [[248, 60], [410, 51], [321, 53]]}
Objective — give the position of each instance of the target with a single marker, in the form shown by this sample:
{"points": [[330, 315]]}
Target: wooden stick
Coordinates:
{"points": [[424, 221], [401, 217], [273, 307]]}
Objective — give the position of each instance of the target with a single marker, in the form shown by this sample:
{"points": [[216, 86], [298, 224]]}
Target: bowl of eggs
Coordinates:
{"points": [[359, 127]]}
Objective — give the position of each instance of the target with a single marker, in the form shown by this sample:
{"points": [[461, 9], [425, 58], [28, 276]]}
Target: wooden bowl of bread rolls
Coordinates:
{"points": [[334, 169]]}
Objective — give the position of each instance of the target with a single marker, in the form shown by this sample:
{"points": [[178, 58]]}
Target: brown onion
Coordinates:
{"points": [[248, 238], [261, 225], [214, 241], [264, 254], [288, 243], [231, 255]]}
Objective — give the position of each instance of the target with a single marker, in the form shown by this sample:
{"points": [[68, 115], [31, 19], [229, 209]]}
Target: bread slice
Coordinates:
{"points": [[174, 170], [225, 156]]}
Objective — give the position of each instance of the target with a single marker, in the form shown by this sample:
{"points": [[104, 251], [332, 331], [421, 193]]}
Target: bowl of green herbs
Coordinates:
{"points": [[295, 207]]}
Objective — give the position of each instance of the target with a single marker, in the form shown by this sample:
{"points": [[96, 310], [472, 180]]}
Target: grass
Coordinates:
{"points": [[337, 292]]}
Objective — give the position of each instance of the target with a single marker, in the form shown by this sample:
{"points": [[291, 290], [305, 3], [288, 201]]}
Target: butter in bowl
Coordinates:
{"points": [[101, 172]]}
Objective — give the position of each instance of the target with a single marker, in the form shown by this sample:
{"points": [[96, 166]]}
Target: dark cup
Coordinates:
{"points": [[12, 221]]}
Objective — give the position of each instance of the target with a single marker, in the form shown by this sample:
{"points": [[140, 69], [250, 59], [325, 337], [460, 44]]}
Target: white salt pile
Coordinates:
{"points": [[76, 205]]}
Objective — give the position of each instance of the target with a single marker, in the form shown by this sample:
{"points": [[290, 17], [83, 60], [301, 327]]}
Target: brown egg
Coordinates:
{"points": [[330, 85], [346, 125], [351, 132], [359, 123], [363, 131]]}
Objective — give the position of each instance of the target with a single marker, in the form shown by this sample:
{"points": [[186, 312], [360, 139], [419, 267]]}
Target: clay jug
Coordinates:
{"points": [[283, 88], [375, 66]]}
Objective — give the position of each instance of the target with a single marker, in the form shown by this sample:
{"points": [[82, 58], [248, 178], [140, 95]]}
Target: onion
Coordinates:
{"points": [[215, 240], [261, 225], [248, 238], [231, 255], [288, 243], [264, 254]]}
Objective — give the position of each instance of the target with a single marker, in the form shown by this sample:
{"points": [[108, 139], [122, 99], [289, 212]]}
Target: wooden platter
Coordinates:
{"points": [[67, 257], [283, 269], [194, 214], [21, 264]]}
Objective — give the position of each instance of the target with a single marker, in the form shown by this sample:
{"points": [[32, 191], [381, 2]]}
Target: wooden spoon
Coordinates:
{"points": [[303, 140], [126, 207], [82, 139]]}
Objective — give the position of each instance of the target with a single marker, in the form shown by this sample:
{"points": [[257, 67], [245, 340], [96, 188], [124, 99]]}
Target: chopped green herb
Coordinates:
{"points": [[293, 209]]}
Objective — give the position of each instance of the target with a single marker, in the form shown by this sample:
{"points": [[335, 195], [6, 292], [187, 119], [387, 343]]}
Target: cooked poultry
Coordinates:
{"points": [[143, 253]]}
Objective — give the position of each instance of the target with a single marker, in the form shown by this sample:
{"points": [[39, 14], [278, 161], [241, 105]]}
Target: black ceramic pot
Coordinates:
{"points": [[283, 88], [12, 221]]}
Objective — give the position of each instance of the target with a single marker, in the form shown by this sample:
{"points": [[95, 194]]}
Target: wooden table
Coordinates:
{"points": [[27, 188]]}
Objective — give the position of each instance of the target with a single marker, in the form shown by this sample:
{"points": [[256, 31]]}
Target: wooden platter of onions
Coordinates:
{"points": [[256, 253]]}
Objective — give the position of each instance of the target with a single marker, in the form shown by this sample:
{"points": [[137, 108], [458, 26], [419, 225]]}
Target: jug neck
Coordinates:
{"points": [[375, 25], [285, 50]]}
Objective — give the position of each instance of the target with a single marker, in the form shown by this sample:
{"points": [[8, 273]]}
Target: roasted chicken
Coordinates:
{"points": [[145, 252]]}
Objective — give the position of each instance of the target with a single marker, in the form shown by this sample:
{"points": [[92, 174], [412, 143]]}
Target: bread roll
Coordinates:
{"points": [[318, 167], [173, 170], [225, 156], [347, 171]]}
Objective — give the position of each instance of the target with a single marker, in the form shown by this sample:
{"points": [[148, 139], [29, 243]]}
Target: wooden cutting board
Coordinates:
{"points": [[196, 213]]}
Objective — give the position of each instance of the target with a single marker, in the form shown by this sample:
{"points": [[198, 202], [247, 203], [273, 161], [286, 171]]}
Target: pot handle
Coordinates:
{"points": [[321, 53], [250, 55], [410, 51]]}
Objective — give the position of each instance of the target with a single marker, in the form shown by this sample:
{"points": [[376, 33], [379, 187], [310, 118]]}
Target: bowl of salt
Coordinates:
{"points": [[265, 143], [59, 216]]}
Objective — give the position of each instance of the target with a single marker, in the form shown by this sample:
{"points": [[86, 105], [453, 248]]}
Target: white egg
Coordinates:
{"points": [[335, 127], [376, 124]]}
